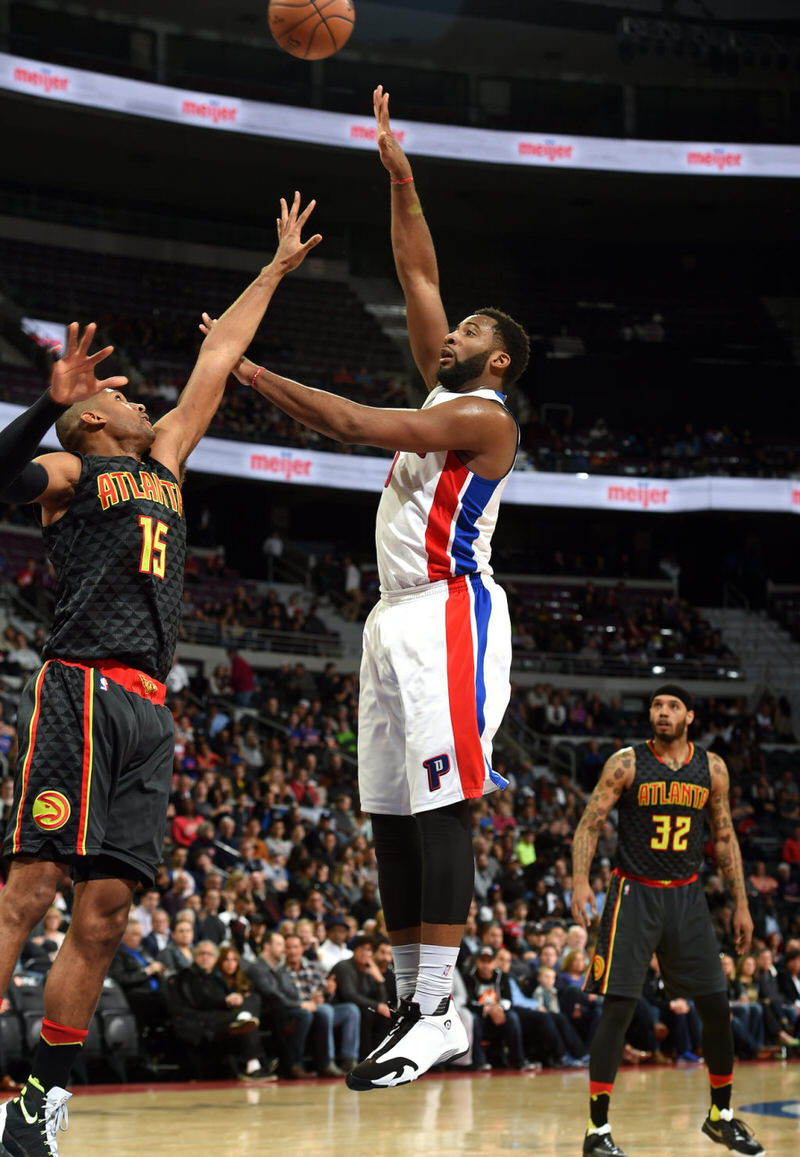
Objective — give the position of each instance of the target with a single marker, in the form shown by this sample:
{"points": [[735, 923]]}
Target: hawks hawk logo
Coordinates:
{"points": [[148, 686], [598, 967], [51, 810]]}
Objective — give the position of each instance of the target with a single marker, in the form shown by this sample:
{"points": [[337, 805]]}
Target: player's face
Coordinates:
{"points": [[127, 421], [466, 351], [669, 718]]}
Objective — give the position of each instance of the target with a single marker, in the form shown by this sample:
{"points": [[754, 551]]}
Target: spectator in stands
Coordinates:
{"points": [[316, 992], [177, 678], [143, 911], [178, 953], [495, 1021], [334, 947], [241, 680], [359, 981], [218, 1013], [139, 978], [281, 1005], [159, 936]]}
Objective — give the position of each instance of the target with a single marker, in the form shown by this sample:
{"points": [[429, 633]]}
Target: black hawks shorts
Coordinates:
{"points": [[645, 917], [94, 768]]}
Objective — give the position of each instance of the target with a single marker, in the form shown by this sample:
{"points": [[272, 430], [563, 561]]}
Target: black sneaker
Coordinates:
{"points": [[734, 1134], [29, 1123], [602, 1143]]}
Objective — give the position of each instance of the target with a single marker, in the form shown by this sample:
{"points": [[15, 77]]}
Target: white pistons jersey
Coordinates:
{"points": [[435, 517], [434, 681]]}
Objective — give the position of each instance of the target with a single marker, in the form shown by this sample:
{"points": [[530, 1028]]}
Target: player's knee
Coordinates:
{"points": [[28, 895]]}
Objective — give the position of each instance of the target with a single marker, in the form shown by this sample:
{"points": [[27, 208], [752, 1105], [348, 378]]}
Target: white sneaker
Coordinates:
{"points": [[414, 1044]]}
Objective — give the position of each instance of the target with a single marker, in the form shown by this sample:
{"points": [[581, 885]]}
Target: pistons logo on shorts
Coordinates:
{"points": [[598, 967], [51, 810]]}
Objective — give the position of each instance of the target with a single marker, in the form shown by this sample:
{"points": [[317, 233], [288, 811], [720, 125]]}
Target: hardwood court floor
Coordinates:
{"points": [[657, 1113]]}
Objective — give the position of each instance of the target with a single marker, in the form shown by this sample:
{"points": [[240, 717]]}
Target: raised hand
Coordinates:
{"points": [[291, 250], [394, 159], [72, 378]]}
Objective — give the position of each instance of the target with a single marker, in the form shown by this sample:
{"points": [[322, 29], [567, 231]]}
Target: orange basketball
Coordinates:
{"points": [[311, 29]]}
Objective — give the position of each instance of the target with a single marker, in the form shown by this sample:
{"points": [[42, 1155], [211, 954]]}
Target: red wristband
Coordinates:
{"points": [[405, 181], [254, 378]]}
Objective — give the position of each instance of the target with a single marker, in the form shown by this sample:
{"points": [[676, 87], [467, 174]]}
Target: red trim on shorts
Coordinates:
{"points": [[128, 677], [655, 883], [720, 1082], [461, 688], [26, 769], [440, 519], [62, 1034], [598, 1087], [88, 758]]}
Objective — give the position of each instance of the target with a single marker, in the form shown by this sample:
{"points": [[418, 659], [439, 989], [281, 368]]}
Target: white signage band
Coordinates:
{"points": [[454, 142], [367, 473]]}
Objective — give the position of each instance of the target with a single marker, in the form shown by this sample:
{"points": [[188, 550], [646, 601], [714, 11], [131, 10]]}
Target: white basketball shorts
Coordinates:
{"points": [[434, 688]]}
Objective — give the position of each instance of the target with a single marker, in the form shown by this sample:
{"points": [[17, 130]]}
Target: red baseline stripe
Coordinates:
{"points": [[440, 518], [461, 689], [26, 769]]}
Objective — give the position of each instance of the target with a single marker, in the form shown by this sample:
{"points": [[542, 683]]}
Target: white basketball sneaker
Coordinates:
{"points": [[414, 1044]]}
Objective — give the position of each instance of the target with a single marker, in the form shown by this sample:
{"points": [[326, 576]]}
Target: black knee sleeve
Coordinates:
{"points": [[448, 863], [609, 1040], [399, 853], [717, 1033]]}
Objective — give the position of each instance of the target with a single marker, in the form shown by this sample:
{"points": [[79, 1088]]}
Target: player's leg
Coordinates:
{"points": [[29, 1124], [383, 789], [24, 899], [630, 928], [690, 964], [426, 870]]}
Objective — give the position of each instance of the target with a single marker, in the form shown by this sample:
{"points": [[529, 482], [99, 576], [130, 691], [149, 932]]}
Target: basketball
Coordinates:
{"points": [[311, 29]]}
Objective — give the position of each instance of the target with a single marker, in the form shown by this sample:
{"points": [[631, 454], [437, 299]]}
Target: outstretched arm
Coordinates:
{"points": [[414, 254], [617, 775], [179, 431], [50, 478], [727, 851], [473, 424]]}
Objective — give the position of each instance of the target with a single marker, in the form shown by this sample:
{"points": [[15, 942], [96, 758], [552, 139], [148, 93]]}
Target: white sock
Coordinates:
{"points": [[252, 1065], [435, 977], [406, 967]]}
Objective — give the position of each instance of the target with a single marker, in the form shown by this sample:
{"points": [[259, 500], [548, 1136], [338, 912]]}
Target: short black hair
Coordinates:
{"points": [[70, 429], [514, 341]]}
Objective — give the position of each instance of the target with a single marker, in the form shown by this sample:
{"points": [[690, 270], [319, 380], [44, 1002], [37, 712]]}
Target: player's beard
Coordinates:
{"points": [[677, 732], [459, 374]]}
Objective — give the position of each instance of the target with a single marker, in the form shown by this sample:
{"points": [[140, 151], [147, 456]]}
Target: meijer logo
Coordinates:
{"points": [[370, 133], [284, 465], [211, 111], [715, 159], [642, 495], [42, 78], [551, 150]]}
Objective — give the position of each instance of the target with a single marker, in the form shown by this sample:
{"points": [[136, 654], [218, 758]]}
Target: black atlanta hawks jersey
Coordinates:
{"points": [[662, 816], [118, 553]]}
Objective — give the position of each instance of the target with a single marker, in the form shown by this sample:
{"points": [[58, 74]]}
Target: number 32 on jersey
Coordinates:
{"points": [[671, 832]]}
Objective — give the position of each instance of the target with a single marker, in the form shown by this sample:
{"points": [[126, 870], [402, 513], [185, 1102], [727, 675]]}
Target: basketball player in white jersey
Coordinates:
{"points": [[437, 647]]}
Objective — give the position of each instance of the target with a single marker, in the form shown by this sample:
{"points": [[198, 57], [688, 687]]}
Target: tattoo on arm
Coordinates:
{"points": [[723, 832], [617, 772]]}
